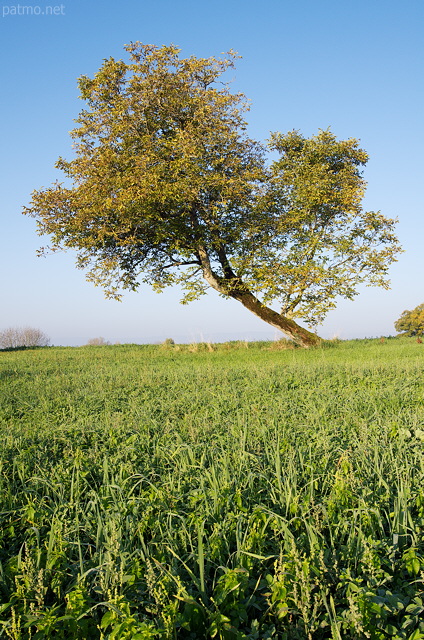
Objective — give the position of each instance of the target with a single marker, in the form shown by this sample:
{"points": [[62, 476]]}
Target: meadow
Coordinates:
{"points": [[233, 492]]}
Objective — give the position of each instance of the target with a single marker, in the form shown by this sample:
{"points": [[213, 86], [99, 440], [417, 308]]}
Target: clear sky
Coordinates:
{"points": [[306, 64]]}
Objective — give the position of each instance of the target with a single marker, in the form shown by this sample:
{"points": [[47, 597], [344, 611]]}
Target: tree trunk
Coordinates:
{"points": [[232, 287], [298, 334]]}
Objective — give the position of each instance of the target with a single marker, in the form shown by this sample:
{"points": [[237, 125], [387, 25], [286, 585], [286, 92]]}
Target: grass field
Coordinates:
{"points": [[240, 492]]}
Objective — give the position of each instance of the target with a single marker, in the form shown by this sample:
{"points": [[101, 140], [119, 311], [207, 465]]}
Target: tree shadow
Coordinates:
{"points": [[23, 348]]}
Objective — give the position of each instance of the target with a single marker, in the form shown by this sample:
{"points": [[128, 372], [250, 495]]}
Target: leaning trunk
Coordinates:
{"points": [[231, 287], [298, 334]]}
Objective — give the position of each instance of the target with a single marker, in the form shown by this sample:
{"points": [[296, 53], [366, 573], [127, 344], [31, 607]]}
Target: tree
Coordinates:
{"points": [[411, 323], [98, 342], [167, 188], [14, 338]]}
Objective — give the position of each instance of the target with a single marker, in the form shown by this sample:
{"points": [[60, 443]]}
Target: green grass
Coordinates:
{"points": [[241, 492]]}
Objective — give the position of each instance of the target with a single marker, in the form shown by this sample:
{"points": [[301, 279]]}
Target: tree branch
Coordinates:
{"points": [[181, 263]]}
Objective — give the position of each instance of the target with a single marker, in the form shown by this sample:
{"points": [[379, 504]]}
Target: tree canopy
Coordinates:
{"points": [[411, 323], [167, 187]]}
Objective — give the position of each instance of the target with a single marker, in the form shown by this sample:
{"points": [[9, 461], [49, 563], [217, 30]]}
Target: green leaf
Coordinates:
{"points": [[108, 618], [390, 629], [116, 631]]}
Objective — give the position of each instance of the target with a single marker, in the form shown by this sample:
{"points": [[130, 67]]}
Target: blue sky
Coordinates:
{"points": [[356, 67]]}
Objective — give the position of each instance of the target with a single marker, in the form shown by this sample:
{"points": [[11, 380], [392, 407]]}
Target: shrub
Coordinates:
{"points": [[14, 338], [97, 342]]}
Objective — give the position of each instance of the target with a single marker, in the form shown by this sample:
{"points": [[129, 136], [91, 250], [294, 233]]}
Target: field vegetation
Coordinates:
{"points": [[246, 491]]}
